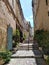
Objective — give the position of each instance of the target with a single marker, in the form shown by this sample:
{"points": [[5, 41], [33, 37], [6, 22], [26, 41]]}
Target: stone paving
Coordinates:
{"points": [[26, 53], [26, 57], [23, 61], [24, 46], [40, 61]]}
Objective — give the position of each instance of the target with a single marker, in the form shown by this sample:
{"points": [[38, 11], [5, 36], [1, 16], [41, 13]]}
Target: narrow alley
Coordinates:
{"points": [[24, 32]]}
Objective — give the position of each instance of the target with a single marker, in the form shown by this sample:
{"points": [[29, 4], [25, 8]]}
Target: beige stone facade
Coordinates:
{"points": [[10, 13], [5, 19], [27, 29], [41, 14], [3, 34]]}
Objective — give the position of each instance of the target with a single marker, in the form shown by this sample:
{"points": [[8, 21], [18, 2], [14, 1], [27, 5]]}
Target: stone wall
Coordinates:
{"points": [[41, 18], [6, 18], [10, 16], [3, 34], [16, 6]]}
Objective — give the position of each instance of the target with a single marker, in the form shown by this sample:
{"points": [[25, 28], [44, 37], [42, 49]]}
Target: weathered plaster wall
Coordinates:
{"points": [[5, 19], [41, 15]]}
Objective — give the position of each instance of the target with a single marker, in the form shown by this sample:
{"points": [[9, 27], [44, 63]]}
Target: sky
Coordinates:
{"points": [[27, 10]]}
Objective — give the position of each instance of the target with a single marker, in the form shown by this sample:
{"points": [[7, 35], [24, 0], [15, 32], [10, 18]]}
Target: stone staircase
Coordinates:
{"points": [[25, 56], [25, 49], [27, 46]]}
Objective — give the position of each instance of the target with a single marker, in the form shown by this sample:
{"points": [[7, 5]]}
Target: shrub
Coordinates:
{"points": [[17, 35], [47, 61], [39, 36], [24, 37], [42, 37], [5, 56]]}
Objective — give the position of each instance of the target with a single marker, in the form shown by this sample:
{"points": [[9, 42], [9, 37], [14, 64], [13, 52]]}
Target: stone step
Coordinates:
{"points": [[24, 48], [25, 44], [22, 61], [30, 46], [27, 54], [27, 48], [26, 57]]}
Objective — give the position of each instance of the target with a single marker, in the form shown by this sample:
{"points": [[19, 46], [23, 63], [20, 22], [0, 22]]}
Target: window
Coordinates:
{"points": [[46, 2], [48, 13]]}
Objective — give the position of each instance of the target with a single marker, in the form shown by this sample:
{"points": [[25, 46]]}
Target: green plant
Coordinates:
{"points": [[5, 56], [14, 33], [47, 60], [39, 36], [17, 35], [24, 37], [42, 37]]}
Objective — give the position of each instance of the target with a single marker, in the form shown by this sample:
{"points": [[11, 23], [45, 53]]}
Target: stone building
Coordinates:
{"points": [[41, 14], [20, 16], [6, 18], [27, 29], [32, 31], [10, 13]]}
